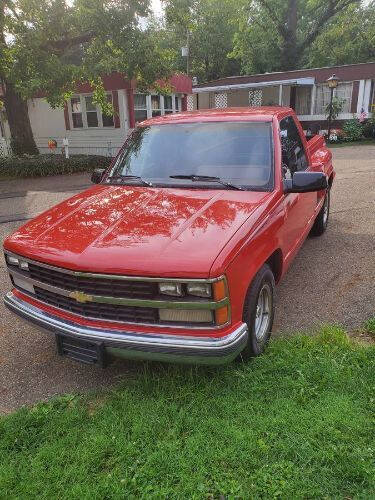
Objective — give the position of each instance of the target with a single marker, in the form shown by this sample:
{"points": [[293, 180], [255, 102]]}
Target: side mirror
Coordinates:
{"points": [[306, 182], [97, 175]]}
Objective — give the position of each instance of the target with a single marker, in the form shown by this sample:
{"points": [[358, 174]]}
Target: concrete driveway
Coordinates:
{"points": [[331, 280]]}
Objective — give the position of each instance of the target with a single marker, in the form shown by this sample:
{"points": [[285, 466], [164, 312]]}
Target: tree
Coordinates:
{"points": [[350, 39], [49, 46], [211, 26], [280, 33]]}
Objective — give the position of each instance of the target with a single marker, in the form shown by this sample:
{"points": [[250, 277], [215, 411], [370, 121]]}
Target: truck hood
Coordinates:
{"points": [[137, 231]]}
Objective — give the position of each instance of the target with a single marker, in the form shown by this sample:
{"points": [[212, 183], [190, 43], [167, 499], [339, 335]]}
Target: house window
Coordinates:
{"points": [[76, 112], [91, 112], [140, 107], [168, 104], [156, 105], [86, 114], [149, 106], [177, 104], [323, 96], [344, 92], [303, 100]]}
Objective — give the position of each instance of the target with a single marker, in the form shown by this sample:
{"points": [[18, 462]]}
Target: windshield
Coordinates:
{"points": [[238, 153]]}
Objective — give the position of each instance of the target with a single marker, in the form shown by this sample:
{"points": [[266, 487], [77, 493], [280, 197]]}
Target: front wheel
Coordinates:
{"points": [[259, 312], [321, 222]]}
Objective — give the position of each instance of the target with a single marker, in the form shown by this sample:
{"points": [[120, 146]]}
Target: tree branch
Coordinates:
{"points": [[65, 43], [333, 8], [11, 7], [279, 26]]}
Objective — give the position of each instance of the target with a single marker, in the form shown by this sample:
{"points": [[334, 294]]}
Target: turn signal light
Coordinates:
{"points": [[219, 290], [222, 315]]}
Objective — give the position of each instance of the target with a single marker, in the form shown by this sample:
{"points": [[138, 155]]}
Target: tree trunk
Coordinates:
{"points": [[290, 54], [22, 139]]}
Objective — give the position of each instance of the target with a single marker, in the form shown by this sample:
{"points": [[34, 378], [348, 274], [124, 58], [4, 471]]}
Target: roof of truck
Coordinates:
{"points": [[262, 113]]}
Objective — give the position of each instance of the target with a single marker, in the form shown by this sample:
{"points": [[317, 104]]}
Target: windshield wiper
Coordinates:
{"points": [[206, 178], [122, 177]]}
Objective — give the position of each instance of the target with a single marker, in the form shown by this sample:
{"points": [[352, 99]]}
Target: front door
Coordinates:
{"points": [[298, 207]]}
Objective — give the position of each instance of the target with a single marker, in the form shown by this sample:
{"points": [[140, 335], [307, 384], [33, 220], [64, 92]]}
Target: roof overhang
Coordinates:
{"points": [[237, 86]]}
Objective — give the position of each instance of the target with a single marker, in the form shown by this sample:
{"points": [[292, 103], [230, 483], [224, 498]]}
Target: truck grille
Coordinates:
{"points": [[100, 311], [95, 286], [120, 298]]}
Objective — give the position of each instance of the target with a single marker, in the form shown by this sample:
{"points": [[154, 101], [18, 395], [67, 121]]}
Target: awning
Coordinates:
{"points": [[276, 83]]}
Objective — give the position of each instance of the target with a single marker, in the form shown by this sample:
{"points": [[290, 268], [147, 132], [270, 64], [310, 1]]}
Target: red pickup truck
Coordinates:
{"points": [[174, 253]]}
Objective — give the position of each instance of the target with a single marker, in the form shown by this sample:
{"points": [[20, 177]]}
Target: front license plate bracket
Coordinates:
{"points": [[84, 351]]}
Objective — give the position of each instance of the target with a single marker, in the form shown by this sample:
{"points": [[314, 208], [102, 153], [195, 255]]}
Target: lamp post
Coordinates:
{"points": [[332, 82]]}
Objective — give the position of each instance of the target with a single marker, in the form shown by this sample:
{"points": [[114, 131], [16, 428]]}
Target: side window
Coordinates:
{"points": [[293, 152]]}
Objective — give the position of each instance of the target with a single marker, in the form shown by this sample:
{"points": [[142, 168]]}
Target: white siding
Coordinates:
{"points": [[48, 123]]}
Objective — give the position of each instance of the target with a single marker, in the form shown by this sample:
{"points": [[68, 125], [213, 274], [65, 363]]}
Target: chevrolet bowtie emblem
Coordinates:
{"points": [[80, 297]]}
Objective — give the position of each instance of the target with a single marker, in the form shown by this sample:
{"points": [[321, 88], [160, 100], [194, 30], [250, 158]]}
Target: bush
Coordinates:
{"points": [[43, 165], [353, 130], [369, 128]]}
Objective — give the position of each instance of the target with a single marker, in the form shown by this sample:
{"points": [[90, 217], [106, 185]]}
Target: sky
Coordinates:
{"points": [[156, 7]]}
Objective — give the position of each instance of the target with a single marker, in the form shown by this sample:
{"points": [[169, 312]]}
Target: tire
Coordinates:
{"points": [[321, 222], [261, 291]]}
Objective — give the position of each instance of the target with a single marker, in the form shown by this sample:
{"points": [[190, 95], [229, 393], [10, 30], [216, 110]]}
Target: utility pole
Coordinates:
{"points": [[188, 53]]}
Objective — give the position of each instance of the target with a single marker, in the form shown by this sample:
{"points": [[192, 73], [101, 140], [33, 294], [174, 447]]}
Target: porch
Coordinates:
{"points": [[308, 96]]}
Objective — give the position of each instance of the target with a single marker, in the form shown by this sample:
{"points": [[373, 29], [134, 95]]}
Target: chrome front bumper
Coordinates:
{"points": [[130, 345]]}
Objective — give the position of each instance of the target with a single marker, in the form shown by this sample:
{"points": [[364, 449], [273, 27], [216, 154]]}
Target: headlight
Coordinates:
{"points": [[199, 289], [213, 293], [13, 261], [174, 289], [187, 316], [24, 265]]}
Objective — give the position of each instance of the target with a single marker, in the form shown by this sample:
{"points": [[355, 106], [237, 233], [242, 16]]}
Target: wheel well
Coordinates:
{"points": [[275, 261]]}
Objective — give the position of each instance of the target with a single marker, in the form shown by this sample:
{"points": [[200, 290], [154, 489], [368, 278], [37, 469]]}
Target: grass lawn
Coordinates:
{"points": [[298, 422]]}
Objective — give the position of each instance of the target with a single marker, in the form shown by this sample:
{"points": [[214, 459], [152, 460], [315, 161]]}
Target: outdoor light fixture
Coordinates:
{"points": [[332, 83]]}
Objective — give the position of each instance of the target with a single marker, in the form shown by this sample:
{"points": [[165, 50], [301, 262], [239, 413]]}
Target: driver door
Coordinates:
{"points": [[298, 207]]}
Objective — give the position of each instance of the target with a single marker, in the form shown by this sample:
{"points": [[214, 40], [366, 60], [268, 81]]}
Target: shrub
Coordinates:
{"points": [[337, 136], [353, 130], [369, 128], [43, 165], [337, 105]]}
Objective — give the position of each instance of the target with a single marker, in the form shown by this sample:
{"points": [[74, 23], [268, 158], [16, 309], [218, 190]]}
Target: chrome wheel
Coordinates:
{"points": [[263, 312]]}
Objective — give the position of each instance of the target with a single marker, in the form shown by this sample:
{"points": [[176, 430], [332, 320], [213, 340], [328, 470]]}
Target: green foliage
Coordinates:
{"points": [[296, 423], [348, 40], [353, 130], [369, 128], [55, 45], [337, 105], [43, 165], [280, 35], [211, 26]]}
